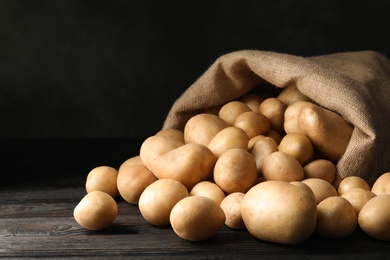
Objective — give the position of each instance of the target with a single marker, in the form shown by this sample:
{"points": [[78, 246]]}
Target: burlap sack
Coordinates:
{"points": [[354, 84]]}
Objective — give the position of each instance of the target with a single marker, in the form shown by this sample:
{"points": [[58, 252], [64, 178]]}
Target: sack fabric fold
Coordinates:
{"points": [[355, 85]]}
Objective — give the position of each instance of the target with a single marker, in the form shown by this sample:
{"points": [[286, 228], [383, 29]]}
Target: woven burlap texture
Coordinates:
{"points": [[355, 85]]}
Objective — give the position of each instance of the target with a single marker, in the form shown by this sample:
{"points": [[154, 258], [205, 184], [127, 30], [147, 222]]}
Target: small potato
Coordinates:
{"points": [[201, 128], [274, 110], [208, 189], [135, 160], [321, 188], [231, 205], [228, 138], [279, 212], [158, 199], [280, 166], [154, 146], [253, 101], [320, 168], [336, 218], [374, 217], [174, 134], [132, 181], [297, 145], [235, 171], [358, 197], [352, 182], [291, 94], [291, 115], [96, 211], [275, 135], [197, 218], [231, 110], [382, 185], [253, 123], [263, 147], [102, 178]]}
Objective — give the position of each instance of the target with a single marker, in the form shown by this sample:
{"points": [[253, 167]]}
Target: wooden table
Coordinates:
{"points": [[42, 181]]}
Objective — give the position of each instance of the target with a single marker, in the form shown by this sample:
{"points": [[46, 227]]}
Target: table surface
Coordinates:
{"points": [[43, 180]]}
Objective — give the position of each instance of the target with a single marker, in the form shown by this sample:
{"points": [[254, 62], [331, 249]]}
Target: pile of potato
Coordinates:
{"points": [[262, 163]]}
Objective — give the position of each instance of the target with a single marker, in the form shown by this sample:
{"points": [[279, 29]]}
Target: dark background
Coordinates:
{"points": [[103, 69]]}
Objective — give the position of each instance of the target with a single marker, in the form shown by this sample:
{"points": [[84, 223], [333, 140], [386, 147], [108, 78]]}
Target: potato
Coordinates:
{"points": [[275, 135], [279, 212], [174, 134], [297, 145], [352, 182], [253, 101], [208, 189], [231, 205], [374, 217], [274, 110], [291, 115], [253, 123], [263, 147], [231, 110], [358, 197], [102, 178], [336, 218], [280, 166], [135, 160], [328, 131], [291, 94], [320, 168], [132, 181], [158, 199], [382, 185], [228, 138], [321, 188], [197, 218], [235, 171], [96, 211], [169, 159]]}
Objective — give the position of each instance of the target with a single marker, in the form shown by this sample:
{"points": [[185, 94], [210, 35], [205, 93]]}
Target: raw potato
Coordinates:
{"points": [[291, 123], [382, 185], [132, 181], [291, 94], [374, 217], [96, 211], [280, 166], [102, 178], [274, 110], [263, 147], [136, 160], [208, 189], [197, 218], [275, 135], [253, 101], [174, 134], [336, 218], [320, 168], [158, 199], [253, 123], [155, 146], [279, 212], [231, 205], [231, 110], [297, 145], [201, 128], [321, 188], [352, 182], [235, 171], [358, 197], [228, 138]]}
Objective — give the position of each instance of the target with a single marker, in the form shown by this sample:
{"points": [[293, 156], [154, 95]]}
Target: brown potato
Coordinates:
{"points": [[297, 145], [132, 181], [291, 94], [336, 218], [228, 138], [320, 168], [358, 197], [279, 212], [275, 135], [96, 211], [231, 110], [135, 160], [350, 183], [253, 123], [274, 110], [158, 199], [235, 171], [102, 178], [201, 128], [291, 115], [263, 147], [321, 188], [208, 189], [174, 134], [197, 218], [253, 101], [155, 146], [231, 205], [280, 166], [382, 185]]}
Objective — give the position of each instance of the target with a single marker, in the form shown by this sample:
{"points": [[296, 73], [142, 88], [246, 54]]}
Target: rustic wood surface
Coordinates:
{"points": [[36, 215]]}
